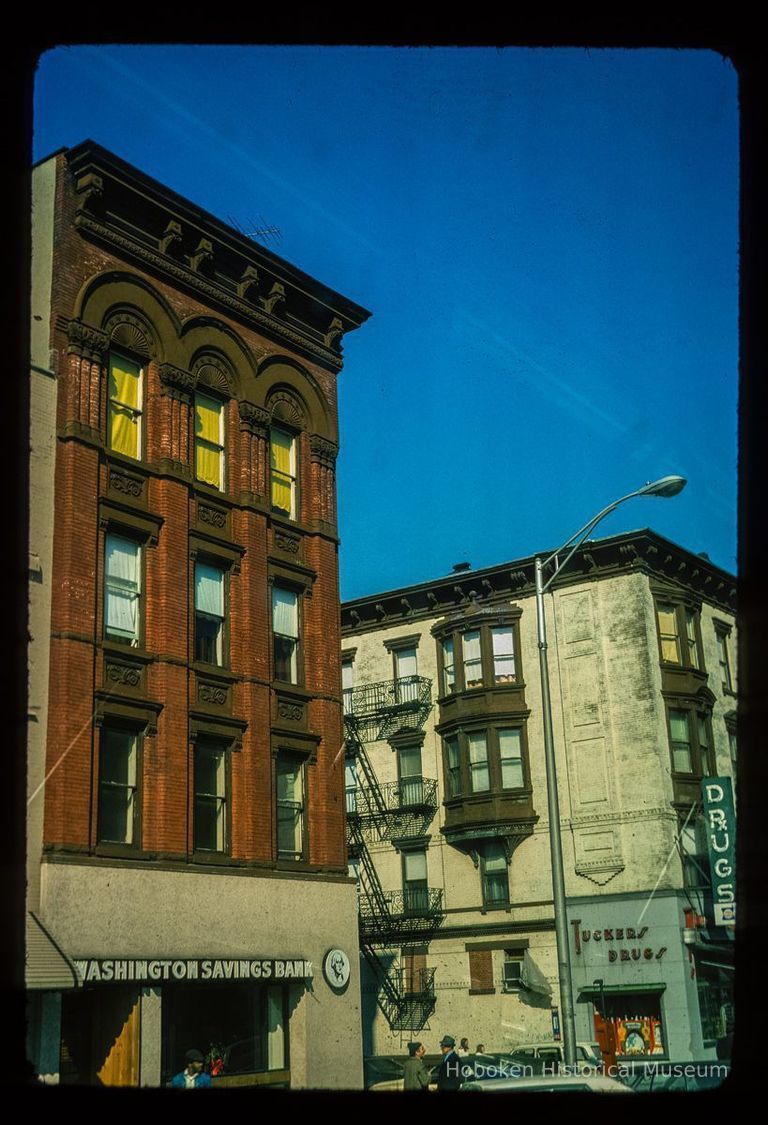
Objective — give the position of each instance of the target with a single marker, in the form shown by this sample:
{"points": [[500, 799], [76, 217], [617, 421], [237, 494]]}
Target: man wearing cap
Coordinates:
{"points": [[415, 1071], [193, 1077], [449, 1075]]}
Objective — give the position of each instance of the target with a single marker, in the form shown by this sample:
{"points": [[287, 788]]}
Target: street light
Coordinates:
{"points": [[665, 487]]}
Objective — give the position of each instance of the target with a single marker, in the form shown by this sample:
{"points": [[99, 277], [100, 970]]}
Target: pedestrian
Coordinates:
{"points": [[480, 1049], [416, 1074], [463, 1048], [449, 1072], [193, 1076]]}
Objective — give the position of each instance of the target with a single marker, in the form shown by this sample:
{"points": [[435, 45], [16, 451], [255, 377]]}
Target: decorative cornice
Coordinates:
{"points": [[90, 343], [642, 552], [210, 291], [322, 451], [176, 382], [254, 419]]}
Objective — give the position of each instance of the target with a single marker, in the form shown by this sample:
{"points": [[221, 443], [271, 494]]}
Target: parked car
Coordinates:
{"points": [[588, 1055], [649, 1076], [548, 1084]]}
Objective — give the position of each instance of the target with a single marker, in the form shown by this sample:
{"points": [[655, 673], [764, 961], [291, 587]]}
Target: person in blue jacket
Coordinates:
{"points": [[193, 1077]]}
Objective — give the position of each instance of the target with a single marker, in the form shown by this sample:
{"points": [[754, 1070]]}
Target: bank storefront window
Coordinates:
{"points": [[242, 1030]]}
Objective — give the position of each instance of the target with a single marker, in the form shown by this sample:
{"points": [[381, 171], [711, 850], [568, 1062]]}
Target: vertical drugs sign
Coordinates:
{"points": [[720, 822]]}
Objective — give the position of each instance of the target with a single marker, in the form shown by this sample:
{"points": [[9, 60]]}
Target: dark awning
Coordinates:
{"points": [[593, 992], [47, 966]]}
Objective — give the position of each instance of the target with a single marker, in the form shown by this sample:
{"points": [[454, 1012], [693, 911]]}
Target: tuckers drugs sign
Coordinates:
{"points": [[720, 825]]}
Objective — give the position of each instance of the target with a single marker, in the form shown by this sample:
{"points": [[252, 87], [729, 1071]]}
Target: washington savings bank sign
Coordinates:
{"points": [[99, 970]]}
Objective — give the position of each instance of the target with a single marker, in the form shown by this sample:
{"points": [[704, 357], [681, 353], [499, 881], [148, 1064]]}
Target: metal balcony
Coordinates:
{"points": [[406, 999], [378, 711], [398, 915]]}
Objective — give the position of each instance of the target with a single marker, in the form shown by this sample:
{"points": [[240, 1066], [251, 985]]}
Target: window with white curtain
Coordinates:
{"points": [[503, 644], [473, 664], [122, 583], [285, 634], [209, 613], [290, 807], [511, 756], [479, 773], [495, 875], [406, 670], [449, 667]]}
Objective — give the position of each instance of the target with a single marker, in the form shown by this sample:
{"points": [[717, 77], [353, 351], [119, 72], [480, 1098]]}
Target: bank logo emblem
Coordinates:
{"points": [[336, 968]]}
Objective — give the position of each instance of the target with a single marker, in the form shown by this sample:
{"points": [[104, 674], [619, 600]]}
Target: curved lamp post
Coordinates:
{"points": [[665, 487]]}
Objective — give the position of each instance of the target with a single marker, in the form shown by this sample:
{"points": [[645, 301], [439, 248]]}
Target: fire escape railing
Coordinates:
{"points": [[376, 812]]}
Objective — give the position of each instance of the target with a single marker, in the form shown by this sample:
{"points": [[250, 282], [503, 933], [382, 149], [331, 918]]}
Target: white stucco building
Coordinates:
{"points": [[446, 792]]}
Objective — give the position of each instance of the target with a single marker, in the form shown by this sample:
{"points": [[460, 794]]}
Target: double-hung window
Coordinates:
{"points": [[347, 683], [723, 657], [449, 667], [122, 585], [495, 875], [406, 674], [678, 634], [695, 852], [479, 773], [290, 808], [453, 766], [118, 786], [511, 756], [415, 887], [210, 813], [503, 643], [125, 406], [411, 781], [689, 739], [209, 613], [285, 634], [282, 465], [473, 663], [209, 440]]}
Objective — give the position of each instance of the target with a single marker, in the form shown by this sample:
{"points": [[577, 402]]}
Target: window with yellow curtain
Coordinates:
{"points": [[209, 440], [282, 463], [125, 395]]}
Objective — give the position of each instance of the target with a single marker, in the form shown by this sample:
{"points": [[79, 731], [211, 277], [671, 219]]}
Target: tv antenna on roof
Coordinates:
{"points": [[258, 228]]}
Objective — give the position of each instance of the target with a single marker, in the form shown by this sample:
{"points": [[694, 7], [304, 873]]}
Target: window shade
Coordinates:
{"points": [[285, 613], [209, 590]]}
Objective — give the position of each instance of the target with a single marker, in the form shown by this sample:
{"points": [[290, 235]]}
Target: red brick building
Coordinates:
{"points": [[187, 819]]}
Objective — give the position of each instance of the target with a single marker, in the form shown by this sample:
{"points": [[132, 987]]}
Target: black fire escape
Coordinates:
{"points": [[394, 811]]}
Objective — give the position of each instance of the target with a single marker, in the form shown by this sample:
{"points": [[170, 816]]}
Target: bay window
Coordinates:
{"points": [[690, 741], [480, 779], [503, 655], [678, 634], [453, 767], [511, 758], [473, 664]]}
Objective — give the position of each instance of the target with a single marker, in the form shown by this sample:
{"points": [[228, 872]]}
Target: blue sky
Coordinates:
{"points": [[547, 240]]}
